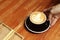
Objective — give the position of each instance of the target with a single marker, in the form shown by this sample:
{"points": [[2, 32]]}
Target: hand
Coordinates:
{"points": [[55, 14]]}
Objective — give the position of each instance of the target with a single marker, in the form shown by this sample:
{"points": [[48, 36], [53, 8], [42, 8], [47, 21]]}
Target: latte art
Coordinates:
{"points": [[37, 17]]}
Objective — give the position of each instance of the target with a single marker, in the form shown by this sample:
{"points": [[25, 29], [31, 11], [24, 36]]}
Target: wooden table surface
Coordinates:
{"points": [[14, 12]]}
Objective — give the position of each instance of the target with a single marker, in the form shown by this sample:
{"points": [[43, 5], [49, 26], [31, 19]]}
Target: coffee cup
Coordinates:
{"points": [[37, 22]]}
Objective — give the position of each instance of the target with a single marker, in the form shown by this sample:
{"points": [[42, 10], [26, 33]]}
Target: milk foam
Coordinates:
{"points": [[37, 17]]}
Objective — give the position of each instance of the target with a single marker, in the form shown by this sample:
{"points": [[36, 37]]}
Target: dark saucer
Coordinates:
{"points": [[36, 28]]}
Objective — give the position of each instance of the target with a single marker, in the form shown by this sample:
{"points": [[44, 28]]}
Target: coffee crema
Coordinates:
{"points": [[37, 17]]}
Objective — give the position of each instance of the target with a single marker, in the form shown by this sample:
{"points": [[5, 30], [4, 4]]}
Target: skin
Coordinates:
{"points": [[53, 17]]}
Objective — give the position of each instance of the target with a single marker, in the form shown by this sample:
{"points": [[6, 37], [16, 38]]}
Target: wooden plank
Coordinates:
{"points": [[13, 12]]}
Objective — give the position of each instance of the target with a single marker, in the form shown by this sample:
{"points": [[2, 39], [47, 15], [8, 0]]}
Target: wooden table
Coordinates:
{"points": [[14, 12]]}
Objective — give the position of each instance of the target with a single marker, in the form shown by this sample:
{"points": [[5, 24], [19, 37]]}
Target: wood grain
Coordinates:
{"points": [[13, 12]]}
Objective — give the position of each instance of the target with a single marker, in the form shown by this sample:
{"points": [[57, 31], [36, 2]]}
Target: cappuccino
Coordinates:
{"points": [[37, 17]]}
